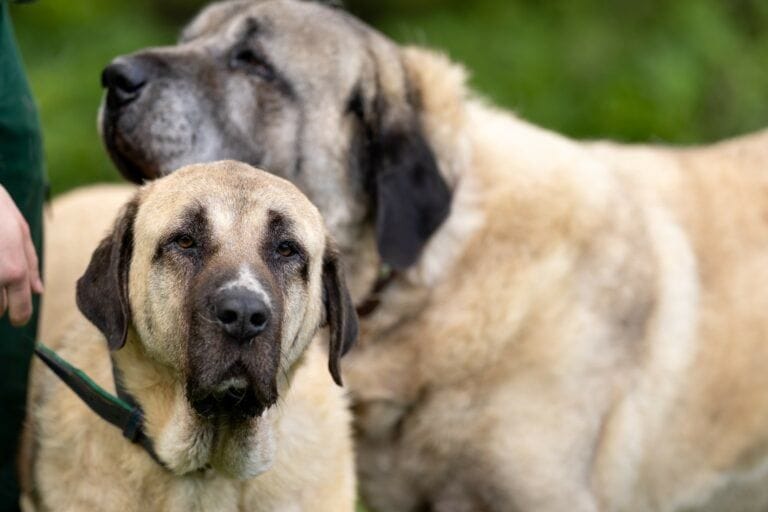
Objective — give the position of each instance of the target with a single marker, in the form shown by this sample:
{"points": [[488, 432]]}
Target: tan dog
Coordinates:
{"points": [[208, 292], [571, 327]]}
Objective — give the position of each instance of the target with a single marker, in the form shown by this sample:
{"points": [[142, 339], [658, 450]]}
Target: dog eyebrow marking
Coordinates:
{"points": [[193, 221], [278, 223], [246, 279]]}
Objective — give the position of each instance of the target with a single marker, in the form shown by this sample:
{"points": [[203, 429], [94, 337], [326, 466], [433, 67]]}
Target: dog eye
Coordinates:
{"points": [[246, 59], [185, 242], [286, 249]]}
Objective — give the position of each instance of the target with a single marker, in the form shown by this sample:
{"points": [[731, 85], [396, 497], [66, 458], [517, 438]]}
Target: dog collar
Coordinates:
{"points": [[373, 300], [121, 411]]}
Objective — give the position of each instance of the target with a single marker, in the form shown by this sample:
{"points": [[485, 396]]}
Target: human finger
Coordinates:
{"points": [[19, 298], [33, 264]]}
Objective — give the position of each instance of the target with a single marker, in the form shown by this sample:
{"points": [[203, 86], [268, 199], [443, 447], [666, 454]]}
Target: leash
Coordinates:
{"points": [[122, 411]]}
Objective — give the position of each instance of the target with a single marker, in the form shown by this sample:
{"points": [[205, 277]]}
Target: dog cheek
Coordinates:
{"points": [[301, 320], [160, 321]]}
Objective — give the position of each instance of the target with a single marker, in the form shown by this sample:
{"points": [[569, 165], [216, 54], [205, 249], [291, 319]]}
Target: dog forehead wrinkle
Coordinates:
{"points": [[246, 279]]}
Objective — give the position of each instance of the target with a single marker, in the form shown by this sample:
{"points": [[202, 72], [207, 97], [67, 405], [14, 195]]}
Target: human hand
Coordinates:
{"points": [[19, 274]]}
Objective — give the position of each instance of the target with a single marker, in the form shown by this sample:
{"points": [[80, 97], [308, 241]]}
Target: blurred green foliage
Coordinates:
{"points": [[681, 71], [65, 45], [661, 71]]}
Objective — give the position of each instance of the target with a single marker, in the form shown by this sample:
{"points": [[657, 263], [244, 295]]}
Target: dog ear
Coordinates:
{"points": [[411, 198], [102, 292], [339, 312]]}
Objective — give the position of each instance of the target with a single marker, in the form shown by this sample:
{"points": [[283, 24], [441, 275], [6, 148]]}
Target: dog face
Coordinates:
{"points": [[224, 274], [301, 89]]}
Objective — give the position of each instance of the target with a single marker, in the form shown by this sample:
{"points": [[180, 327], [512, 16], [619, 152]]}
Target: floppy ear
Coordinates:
{"points": [[412, 198], [102, 292], [339, 311]]}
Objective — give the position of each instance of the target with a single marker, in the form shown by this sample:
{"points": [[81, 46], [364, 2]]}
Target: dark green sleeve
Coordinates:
{"points": [[22, 174]]}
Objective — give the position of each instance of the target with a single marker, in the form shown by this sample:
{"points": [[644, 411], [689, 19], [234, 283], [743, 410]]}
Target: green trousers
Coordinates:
{"points": [[23, 176]]}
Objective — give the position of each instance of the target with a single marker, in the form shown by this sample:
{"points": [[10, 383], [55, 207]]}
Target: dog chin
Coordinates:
{"points": [[239, 450], [233, 399], [246, 450]]}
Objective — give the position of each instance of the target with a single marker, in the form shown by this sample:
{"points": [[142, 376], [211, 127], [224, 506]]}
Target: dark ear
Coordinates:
{"points": [[340, 313], [102, 292], [412, 198]]}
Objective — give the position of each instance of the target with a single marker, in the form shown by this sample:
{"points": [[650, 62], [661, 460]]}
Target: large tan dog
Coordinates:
{"points": [[208, 292], [570, 327]]}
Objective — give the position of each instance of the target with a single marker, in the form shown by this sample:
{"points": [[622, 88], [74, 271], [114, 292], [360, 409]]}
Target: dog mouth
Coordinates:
{"points": [[233, 397], [122, 152]]}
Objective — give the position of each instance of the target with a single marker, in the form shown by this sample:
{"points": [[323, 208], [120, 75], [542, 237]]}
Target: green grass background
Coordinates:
{"points": [[668, 71], [678, 71]]}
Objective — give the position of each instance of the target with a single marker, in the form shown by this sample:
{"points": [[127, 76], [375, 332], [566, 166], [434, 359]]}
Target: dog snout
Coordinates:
{"points": [[241, 313], [124, 78]]}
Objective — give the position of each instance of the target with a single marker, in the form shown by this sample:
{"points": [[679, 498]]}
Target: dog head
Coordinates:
{"points": [[222, 274], [299, 88]]}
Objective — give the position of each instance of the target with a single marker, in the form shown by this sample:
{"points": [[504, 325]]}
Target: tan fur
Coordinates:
{"points": [[587, 330], [81, 462]]}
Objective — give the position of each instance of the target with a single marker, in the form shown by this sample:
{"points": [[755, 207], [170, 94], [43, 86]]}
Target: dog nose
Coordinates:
{"points": [[123, 78], [241, 313]]}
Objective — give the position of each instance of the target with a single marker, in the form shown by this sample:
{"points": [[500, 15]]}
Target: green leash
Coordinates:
{"points": [[123, 414]]}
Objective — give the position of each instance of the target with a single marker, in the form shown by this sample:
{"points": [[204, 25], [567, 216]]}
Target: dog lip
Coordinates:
{"points": [[113, 141], [232, 383], [233, 396], [236, 404]]}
